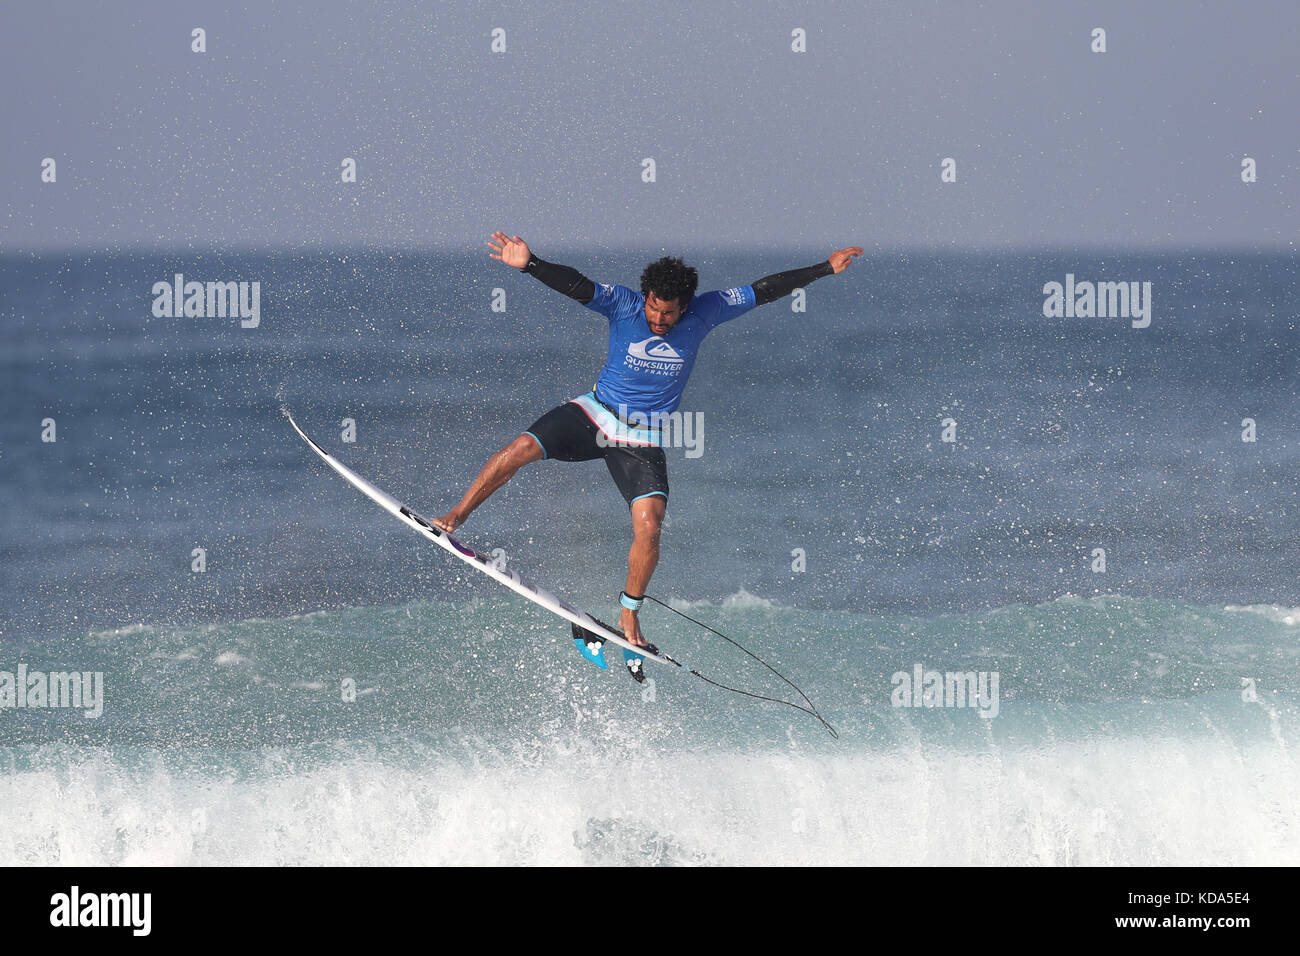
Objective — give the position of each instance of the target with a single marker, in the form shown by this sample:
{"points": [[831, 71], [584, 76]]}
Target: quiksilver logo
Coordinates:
{"points": [[654, 349], [103, 909]]}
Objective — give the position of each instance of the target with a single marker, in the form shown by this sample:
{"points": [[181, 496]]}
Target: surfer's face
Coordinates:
{"points": [[660, 314]]}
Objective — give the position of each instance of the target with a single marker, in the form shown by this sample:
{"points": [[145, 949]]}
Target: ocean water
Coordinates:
{"points": [[332, 689]]}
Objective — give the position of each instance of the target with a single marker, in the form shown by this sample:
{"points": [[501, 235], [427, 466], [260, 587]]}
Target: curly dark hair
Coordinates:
{"points": [[670, 279]]}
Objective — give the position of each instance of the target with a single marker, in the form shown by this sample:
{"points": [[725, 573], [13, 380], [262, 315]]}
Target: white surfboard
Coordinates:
{"points": [[503, 575]]}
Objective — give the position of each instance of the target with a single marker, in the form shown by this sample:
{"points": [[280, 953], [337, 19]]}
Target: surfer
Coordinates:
{"points": [[654, 338]]}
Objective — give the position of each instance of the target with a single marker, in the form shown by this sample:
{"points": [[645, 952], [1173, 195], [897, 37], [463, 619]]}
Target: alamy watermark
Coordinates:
{"points": [[670, 430], [128, 910], [1102, 300], [928, 688], [24, 689], [210, 300]]}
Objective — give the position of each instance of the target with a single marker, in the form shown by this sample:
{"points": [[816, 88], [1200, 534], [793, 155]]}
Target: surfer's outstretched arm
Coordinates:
{"points": [[513, 251], [565, 279], [773, 287]]}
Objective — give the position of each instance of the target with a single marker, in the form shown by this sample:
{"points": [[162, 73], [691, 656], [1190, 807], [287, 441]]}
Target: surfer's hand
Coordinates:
{"points": [[632, 628], [511, 250], [839, 260]]}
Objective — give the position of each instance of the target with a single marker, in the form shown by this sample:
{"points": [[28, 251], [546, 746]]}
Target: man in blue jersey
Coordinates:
{"points": [[654, 338]]}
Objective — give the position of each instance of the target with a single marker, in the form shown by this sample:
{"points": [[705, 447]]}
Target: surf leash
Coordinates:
{"points": [[810, 710]]}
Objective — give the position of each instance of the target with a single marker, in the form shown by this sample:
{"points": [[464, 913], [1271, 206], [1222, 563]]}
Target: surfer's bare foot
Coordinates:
{"points": [[632, 628], [450, 521]]}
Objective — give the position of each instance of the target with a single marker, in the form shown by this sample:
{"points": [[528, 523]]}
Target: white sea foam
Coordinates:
{"points": [[1129, 801], [1290, 616], [741, 599], [125, 631]]}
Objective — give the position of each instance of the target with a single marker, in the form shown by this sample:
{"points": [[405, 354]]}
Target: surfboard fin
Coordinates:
{"points": [[590, 646], [634, 662]]}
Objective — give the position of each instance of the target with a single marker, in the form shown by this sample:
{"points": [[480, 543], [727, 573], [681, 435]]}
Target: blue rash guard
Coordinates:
{"points": [[645, 372]]}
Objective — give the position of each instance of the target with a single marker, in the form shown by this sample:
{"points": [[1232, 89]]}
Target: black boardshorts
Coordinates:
{"points": [[565, 433]]}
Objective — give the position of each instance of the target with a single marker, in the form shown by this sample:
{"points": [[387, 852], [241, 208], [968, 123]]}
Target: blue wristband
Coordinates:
{"points": [[629, 602]]}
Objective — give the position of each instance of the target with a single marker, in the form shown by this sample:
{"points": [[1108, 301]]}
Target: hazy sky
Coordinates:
{"points": [[754, 144]]}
